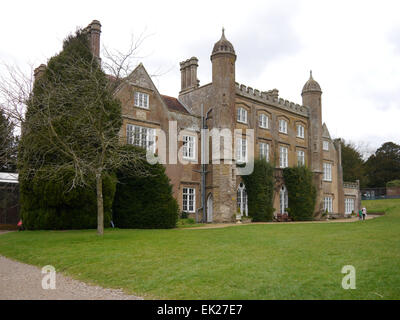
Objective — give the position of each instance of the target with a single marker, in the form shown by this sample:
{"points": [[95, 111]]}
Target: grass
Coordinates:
{"points": [[282, 261], [189, 223]]}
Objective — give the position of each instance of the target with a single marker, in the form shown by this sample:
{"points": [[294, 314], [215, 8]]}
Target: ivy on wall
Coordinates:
{"points": [[301, 191], [260, 191]]}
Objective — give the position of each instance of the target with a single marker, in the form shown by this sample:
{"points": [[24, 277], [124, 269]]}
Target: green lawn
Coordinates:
{"points": [[281, 261]]}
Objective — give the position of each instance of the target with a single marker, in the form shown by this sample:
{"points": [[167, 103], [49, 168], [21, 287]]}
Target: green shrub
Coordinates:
{"points": [[260, 191], [184, 215], [393, 183], [144, 201], [48, 205], [301, 192]]}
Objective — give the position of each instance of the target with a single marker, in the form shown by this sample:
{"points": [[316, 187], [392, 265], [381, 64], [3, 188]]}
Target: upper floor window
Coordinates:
{"points": [[301, 161], [263, 121], [141, 100], [325, 145], [188, 199], [264, 151], [283, 126], [328, 204], [300, 131], [141, 137], [327, 171], [189, 147], [283, 157], [241, 150], [242, 115]]}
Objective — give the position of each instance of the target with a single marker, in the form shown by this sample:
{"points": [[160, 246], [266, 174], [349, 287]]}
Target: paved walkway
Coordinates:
{"points": [[224, 225], [19, 281]]}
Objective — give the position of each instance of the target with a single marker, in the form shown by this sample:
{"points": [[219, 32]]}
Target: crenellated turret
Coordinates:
{"points": [[223, 59], [312, 98]]}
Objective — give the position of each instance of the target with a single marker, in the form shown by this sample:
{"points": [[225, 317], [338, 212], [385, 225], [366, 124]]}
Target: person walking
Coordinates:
{"points": [[364, 213], [360, 214]]}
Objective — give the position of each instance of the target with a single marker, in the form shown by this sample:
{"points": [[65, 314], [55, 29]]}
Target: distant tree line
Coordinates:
{"points": [[379, 169]]}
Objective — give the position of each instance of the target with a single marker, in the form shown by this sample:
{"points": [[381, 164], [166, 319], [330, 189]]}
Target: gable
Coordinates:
{"points": [[325, 132]]}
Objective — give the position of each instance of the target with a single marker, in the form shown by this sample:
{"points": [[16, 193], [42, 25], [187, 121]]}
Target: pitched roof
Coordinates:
{"points": [[173, 104]]}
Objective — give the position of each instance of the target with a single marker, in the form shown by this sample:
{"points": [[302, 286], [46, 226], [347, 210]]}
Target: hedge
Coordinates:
{"points": [[260, 191], [144, 201], [48, 205]]}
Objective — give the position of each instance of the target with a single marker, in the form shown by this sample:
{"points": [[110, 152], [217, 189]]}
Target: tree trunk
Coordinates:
{"points": [[100, 208]]}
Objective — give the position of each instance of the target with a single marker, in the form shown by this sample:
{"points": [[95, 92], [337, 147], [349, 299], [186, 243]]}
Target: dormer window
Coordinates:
{"points": [[263, 121], [283, 126], [300, 131], [141, 100], [242, 115], [325, 145]]}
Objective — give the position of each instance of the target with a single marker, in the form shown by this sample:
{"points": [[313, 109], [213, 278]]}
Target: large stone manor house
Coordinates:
{"points": [[285, 133]]}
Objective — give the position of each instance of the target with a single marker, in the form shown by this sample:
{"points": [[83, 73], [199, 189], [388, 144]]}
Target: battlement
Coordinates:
{"points": [[351, 185], [271, 97]]}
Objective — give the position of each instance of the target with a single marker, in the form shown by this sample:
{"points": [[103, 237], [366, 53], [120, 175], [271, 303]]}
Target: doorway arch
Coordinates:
{"points": [[210, 208], [283, 200], [242, 199]]}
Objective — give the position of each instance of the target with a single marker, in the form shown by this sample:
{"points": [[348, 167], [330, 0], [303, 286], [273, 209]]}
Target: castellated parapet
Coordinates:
{"points": [[271, 98]]}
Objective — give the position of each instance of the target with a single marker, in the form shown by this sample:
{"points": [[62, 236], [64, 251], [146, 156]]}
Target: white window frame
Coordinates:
{"points": [[349, 205], [264, 151], [141, 136], [327, 171], [241, 150], [263, 121], [300, 131], [141, 100], [242, 204], [188, 199], [242, 115], [283, 200], [328, 204], [283, 157], [189, 147], [325, 145], [283, 126], [301, 158]]}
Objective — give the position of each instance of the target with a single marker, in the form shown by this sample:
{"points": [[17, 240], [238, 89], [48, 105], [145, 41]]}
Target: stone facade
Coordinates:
{"points": [[225, 96], [288, 134]]}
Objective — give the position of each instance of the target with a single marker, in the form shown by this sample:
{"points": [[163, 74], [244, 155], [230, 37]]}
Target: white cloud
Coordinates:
{"points": [[353, 48]]}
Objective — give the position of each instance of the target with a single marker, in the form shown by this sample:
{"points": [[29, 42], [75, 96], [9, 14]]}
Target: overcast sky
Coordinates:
{"points": [[353, 48]]}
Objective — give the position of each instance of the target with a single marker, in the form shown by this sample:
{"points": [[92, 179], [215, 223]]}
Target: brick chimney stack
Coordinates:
{"points": [[39, 71], [93, 30], [189, 74]]}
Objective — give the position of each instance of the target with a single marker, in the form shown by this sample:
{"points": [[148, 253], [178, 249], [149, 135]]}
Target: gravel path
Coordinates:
{"points": [[224, 225], [19, 281]]}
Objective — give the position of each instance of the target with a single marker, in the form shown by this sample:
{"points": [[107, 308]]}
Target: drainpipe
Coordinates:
{"points": [[203, 172]]}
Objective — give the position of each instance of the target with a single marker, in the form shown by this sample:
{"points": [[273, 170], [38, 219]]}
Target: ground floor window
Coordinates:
{"points": [[349, 205], [328, 204], [189, 199], [242, 199], [283, 200]]}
